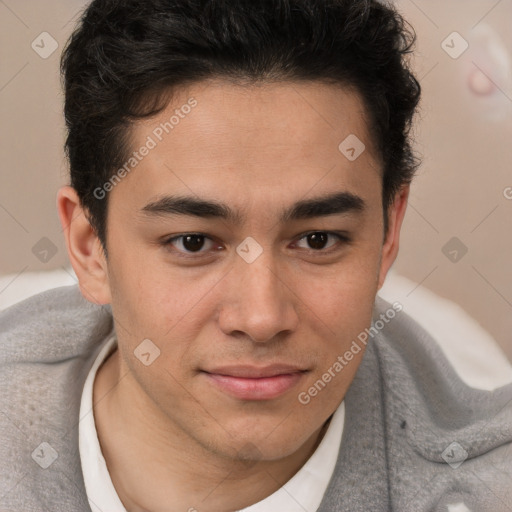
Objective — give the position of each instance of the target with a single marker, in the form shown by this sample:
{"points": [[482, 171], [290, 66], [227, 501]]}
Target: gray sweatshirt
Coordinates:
{"points": [[416, 438]]}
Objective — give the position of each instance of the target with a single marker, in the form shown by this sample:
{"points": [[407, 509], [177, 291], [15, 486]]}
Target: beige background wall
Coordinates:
{"points": [[464, 135]]}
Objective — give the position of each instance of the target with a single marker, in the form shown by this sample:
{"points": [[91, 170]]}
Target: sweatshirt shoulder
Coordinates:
{"points": [[49, 343], [439, 428], [414, 365], [52, 326]]}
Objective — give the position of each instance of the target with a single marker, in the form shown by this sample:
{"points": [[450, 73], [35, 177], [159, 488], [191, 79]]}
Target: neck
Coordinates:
{"points": [[165, 469]]}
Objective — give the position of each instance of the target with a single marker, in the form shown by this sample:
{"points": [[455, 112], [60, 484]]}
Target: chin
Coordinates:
{"points": [[263, 443]]}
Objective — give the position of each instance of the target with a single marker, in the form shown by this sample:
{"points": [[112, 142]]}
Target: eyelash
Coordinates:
{"points": [[342, 237]]}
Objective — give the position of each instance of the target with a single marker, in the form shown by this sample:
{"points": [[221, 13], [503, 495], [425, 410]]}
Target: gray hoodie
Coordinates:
{"points": [[416, 438]]}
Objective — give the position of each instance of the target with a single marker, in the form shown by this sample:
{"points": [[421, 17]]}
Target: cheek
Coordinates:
{"points": [[153, 303], [342, 312], [163, 304], [346, 296]]}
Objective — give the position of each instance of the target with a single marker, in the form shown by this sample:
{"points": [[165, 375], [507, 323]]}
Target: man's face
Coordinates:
{"points": [[240, 336]]}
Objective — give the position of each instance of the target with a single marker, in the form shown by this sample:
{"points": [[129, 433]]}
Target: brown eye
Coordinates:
{"points": [[190, 243], [318, 240], [193, 243]]}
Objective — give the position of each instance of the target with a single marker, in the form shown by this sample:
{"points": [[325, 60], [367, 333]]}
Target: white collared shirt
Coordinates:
{"points": [[303, 492]]}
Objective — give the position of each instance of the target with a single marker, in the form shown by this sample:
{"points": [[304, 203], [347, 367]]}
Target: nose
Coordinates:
{"points": [[257, 301]]}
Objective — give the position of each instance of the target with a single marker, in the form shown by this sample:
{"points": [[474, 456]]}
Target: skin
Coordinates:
{"points": [[258, 149]]}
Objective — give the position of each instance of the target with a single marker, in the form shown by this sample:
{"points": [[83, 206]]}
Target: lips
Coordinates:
{"points": [[255, 383], [253, 372]]}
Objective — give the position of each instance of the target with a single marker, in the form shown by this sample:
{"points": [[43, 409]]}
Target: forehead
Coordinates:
{"points": [[243, 140]]}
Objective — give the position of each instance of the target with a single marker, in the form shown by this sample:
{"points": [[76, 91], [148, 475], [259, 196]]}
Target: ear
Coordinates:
{"points": [[396, 213], [84, 248]]}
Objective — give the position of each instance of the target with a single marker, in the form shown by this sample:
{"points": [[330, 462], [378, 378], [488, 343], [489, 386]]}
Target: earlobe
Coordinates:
{"points": [[84, 248], [391, 244]]}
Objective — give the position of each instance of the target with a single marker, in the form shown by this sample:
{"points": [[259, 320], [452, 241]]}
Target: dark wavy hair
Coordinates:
{"points": [[126, 57]]}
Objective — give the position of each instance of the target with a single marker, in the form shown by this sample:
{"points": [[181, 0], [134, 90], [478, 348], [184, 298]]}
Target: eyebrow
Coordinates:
{"points": [[331, 204]]}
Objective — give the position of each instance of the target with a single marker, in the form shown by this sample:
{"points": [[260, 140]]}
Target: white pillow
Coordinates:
{"points": [[473, 352], [16, 287]]}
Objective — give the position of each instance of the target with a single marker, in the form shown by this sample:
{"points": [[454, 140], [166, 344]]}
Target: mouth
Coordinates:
{"points": [[253, 383]]}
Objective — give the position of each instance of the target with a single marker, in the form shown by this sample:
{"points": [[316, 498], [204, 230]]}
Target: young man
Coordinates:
{"points": [[239, 177]]}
